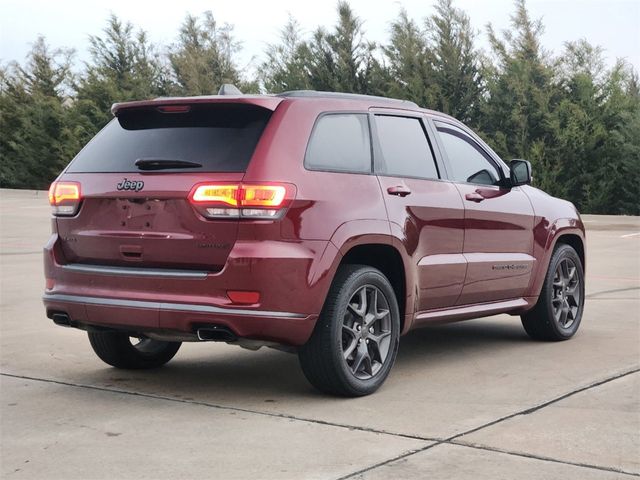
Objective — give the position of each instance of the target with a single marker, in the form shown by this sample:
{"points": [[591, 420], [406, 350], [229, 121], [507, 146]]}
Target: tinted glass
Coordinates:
{"points": [[468, 162], [520, 171], [221, 138], [404, 147], [340, 142]]}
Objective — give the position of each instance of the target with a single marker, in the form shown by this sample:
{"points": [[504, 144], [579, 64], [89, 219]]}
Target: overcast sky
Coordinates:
{"points": [[612, 24]]}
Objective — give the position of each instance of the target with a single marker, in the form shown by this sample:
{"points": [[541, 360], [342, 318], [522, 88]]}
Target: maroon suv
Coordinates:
{"points": [[324, 223]]}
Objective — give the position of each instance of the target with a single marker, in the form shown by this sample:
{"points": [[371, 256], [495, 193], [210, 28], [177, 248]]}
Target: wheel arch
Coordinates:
{"points": [[576, 242], [388, 260], [564, 231], [378, 249]]}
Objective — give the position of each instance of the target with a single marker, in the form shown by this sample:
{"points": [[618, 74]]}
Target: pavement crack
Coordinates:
{"points": [[434, 442], [535, 408], [489, 449], [390, 460], [7, 254], [222, 407], [541, 457], [452, 440], [615, 290]]}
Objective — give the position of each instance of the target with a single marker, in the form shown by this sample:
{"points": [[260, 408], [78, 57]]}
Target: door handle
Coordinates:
{"points": [[399, 190], [474, 197]]}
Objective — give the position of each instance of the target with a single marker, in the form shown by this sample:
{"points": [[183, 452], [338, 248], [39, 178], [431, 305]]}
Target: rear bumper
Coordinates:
{"points": [[140, 316], [292, 278]]}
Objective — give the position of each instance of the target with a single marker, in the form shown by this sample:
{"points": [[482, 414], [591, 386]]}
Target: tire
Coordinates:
{"points": [[117, 350], [334, 360], [558, 313]]}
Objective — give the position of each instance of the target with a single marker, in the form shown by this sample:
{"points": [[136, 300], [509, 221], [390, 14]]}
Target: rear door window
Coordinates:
{"points": [[404, 147], [221, 138], [340, 143]]}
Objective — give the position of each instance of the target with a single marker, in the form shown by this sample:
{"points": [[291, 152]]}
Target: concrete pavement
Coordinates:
{"points": [[476, 399]]}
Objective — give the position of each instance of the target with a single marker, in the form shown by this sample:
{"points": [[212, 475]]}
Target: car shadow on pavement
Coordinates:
{"points": [[234, 373], [437, 343]]}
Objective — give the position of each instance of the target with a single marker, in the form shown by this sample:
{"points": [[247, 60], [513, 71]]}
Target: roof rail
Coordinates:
{"points": [[340, 95]]}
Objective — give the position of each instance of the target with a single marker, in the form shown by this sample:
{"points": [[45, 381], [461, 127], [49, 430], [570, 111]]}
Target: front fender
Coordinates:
{"points": [[546, 237]]}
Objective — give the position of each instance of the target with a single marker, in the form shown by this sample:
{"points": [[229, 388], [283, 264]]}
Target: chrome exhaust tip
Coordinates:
{"points": [[215, 333]]}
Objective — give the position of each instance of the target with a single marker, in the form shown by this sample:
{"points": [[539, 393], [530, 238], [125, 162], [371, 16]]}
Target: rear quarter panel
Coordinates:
{"points": [[324, 200], [341, 209]]}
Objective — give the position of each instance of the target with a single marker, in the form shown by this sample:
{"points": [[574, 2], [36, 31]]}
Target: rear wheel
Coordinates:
{"points": [[355, 342], [123, 351], [558, 313]]}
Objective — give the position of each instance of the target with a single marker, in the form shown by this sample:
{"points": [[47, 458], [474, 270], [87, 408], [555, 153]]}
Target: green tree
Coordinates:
{"points": [[520, 92], [124, 66], [35, 141], [285, 67], [455, 70], [597, 132], [576, 122], [343, 60], [409, 63], [614, 186], [203, 58], [14, 171], [575, 119]]}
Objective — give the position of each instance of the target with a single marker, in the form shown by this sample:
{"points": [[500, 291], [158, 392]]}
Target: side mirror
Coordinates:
{"points": [[520, 172]]}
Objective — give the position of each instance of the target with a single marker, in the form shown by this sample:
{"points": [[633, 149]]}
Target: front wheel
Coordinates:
{"points": [[355, 341], [123, 351], [558, 313]]}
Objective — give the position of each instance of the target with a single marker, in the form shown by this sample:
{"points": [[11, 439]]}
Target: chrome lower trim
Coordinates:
{"points": [[179, 307], [478, 309], [134, 271]]}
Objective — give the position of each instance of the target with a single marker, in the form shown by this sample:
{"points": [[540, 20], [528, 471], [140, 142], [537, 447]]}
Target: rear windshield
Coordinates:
{"points": [[221, 138]]}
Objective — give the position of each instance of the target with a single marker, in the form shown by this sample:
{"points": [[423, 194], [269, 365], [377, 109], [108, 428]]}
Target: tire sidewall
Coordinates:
{"points": [[563, 252], [369, 276], [115, 349]]}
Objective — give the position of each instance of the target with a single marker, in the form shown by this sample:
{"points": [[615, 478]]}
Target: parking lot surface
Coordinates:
{"points": [[471, 400]]}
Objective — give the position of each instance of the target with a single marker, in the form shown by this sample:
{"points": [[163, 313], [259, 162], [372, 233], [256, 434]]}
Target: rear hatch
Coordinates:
{"points": [[135, 177]]}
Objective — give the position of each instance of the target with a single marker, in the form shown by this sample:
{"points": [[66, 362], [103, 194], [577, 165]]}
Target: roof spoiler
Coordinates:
{"points": [[263, 101], [229, 89]]}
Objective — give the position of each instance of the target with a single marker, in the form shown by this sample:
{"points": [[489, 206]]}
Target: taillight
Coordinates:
{"points": [[242, 200], [262, 195], [64, 198], [226, 194]]}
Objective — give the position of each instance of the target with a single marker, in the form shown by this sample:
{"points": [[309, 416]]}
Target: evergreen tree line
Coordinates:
{"points": [[575, 119]]}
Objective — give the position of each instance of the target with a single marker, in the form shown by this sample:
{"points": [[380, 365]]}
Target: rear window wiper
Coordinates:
{"points": [[164, 163]]}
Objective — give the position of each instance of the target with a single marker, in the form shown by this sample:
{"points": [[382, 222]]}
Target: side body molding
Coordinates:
{"points": [[443, 275]]}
